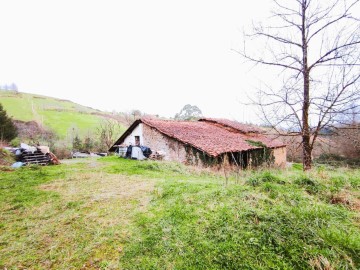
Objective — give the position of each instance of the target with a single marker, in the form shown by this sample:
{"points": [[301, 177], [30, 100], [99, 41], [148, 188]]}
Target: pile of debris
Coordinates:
{"points": [[158, 155], [39, 155], [138, 152]]}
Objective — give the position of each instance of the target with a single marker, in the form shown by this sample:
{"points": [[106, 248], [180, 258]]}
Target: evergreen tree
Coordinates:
{"points": [[88, 144], [77, 145], [8, 130]]}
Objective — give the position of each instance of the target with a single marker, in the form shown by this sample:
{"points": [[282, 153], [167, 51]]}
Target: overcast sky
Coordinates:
{"points": [[155, 56]]}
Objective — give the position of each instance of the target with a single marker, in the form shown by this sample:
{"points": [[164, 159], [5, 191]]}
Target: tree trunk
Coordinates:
{"points": [[307, 149], [307, 160]]}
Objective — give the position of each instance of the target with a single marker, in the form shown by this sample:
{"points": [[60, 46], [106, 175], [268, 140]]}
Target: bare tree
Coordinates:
{"points": [[315, 45], [107, 131], [189, 112], [131, 116]]}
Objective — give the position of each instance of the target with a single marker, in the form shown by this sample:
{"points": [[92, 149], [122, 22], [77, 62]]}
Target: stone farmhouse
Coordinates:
{"points": [[207, 142]]}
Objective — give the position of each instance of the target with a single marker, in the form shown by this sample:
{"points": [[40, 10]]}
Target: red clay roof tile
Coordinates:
{"points": [[243, 128], [210, 138]]}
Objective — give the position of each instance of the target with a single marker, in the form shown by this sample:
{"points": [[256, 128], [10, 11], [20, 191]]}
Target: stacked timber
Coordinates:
{"points": [[37, 155], [37, 158]]}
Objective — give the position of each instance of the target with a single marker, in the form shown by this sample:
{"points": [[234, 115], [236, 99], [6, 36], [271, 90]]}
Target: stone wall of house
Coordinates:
{"points": [[178, 151], [280, 157], [173, 149]]}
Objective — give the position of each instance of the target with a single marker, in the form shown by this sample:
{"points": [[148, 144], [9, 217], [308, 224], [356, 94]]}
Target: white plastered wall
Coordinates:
{"points": [[138, 131]]}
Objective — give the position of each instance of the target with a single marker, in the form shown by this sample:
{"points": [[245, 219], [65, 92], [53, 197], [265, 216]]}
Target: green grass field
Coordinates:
{"points": [[57, 115], [113, 213]]}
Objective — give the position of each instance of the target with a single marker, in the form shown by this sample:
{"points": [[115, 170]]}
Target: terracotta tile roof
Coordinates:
{"points": [[243, 128], [210, 138]]}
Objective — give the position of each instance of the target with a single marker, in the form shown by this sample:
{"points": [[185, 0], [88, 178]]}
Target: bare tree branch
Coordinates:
{"points": [[316, 45]]}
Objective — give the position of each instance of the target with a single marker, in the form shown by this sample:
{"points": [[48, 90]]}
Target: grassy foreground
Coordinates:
{"points": [[113, 213]]}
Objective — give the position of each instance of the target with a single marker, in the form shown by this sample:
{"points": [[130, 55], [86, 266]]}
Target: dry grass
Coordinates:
{"points": [[6, 158], [85, 228], [321, 263], [346, 199]]}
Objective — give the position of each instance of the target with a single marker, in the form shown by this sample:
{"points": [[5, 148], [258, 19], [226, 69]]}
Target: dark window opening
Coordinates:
{"points": [[239, 159], [137, 140]]}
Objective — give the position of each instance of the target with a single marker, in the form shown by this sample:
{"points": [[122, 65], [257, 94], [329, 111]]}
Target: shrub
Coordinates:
{"points": [[8, 130], [15, 142], [62, 152]]}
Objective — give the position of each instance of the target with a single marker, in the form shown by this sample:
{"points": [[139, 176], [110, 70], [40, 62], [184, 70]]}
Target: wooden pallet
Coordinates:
{"points": [[35, 158]]}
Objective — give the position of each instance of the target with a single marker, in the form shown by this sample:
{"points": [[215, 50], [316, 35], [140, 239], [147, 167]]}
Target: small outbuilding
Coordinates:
{"points": [[207, 142]]}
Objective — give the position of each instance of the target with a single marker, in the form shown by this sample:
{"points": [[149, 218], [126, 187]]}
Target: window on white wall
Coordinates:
{"points": [[137, 140]]}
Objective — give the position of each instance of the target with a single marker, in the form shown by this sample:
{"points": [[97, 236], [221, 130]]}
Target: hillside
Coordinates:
{"points": [[58, 115]]}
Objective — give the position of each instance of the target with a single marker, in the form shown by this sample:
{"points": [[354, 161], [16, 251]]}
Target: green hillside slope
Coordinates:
{"points": [[58, 115]]}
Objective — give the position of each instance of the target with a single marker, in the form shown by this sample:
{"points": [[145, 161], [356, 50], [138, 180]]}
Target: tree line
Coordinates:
{"points": [[9, 87]]}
